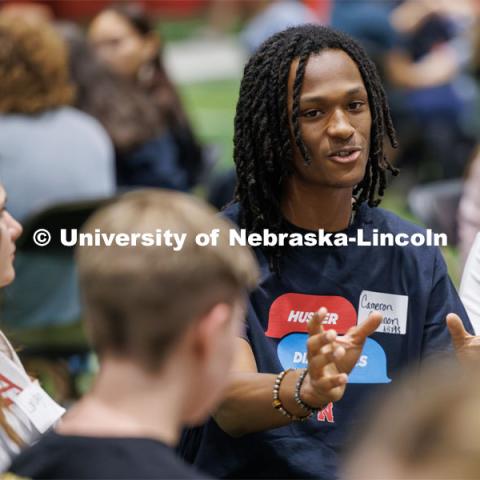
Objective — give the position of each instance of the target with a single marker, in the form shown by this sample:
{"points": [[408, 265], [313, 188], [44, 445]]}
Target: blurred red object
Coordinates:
{"points": [[83, 10]]}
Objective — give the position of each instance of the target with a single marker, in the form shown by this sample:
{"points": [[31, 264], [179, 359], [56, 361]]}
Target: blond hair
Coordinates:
{"points": [[34, 74], [140, 299], [433, 427]]}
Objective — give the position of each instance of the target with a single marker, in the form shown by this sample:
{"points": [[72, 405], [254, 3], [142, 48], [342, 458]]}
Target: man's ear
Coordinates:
{"points": [[210, 328]]}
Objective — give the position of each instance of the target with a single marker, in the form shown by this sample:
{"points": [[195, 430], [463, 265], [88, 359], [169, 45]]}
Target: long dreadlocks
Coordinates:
{"points": [[263, 151]]}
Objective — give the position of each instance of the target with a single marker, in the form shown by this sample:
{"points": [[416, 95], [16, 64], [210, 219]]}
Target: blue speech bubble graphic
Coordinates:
{"points": [[370, 368], [292, 351]]}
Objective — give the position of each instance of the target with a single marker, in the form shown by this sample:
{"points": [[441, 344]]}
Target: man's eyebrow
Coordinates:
{"points": [[320, 98]]}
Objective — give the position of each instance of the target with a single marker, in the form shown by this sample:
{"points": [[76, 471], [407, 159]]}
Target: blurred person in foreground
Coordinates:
{"points": [[16, 427], [49, 153], [163, 363], [125, 40], [427, 428]]}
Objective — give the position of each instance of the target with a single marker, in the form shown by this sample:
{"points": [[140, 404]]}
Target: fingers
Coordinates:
{"points": [[325, 385], [359, 333], [315, 343], [367, 327], [315, 324], [328, 354], [456, 328]]}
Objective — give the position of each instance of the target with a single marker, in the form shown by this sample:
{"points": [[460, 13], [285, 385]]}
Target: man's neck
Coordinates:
{"points": [[127, 402], [312, 207]]}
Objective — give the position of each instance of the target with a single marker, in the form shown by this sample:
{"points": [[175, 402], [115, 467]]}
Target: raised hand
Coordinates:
{"points": [[323, 383], [354, 340], [466, 346]]}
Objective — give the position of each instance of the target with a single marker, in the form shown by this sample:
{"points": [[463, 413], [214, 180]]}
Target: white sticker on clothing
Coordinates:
{"points": [[39, 407], [394, 309]]}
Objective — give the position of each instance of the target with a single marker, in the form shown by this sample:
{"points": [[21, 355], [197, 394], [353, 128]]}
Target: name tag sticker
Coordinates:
{"points": [[39, 407], [394, 309]]}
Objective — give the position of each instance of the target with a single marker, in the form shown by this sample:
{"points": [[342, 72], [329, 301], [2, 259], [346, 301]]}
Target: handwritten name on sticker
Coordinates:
{"points": [[39, 407], [394, 309]]}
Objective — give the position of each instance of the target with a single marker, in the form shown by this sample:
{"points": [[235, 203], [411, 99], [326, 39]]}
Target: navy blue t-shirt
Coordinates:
{"points": [[408, 285], [79, 457]]}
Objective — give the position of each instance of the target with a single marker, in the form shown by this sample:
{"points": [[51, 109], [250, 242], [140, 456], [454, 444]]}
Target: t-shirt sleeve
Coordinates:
{"points": [[443, 300]]}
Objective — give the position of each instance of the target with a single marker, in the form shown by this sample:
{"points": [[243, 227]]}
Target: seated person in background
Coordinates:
{"points": [[49, 153], [163, 323], [470, 285], [469, 208], [16, 426], [127, 41], [145, 151]]}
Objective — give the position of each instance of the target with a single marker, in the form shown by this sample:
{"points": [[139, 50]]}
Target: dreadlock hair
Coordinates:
{"points": [[263, 150]]}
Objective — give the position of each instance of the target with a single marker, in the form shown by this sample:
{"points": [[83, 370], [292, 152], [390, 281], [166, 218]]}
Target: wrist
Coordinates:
{"points": [[291, 410], [309, 396]]}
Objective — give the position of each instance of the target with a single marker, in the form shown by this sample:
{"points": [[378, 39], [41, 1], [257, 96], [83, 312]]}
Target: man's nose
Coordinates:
{"points": [[14, 226], [339, 126]]}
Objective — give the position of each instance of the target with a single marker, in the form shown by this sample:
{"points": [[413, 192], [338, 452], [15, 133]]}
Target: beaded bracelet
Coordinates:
{"points": [[297, 397], [277, 403]]}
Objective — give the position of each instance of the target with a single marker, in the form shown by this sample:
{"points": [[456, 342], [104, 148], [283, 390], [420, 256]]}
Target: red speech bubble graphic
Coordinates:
{"points": [[290, 313]]}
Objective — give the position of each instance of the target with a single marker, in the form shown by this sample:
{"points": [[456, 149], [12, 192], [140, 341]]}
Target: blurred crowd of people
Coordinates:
{"points": [[89, 111]]}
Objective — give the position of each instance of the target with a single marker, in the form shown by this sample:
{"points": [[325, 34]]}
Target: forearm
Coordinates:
{"points": [[247, 405]]}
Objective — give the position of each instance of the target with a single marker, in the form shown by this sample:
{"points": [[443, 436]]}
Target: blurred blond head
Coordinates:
{"points": [[33, 67], [140, 299], [428, 427]]}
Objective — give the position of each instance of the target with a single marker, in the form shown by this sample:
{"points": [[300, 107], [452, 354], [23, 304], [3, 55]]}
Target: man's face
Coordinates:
{"points": [[335, 121]]}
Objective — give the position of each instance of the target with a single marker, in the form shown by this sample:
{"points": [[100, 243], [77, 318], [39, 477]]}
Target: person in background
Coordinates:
{"points": [[126, 41], [266, 17], [163, 363], [469, 208], [470, 284], [49, 153], [428, 72], [145, 152]]}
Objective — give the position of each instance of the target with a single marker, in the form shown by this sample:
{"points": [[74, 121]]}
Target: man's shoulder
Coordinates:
{"points": [[413, 241], [390, 222], [377, 216], [63, 456]]}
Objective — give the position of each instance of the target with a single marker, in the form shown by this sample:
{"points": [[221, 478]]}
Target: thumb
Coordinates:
{"points": [[456, 328]]}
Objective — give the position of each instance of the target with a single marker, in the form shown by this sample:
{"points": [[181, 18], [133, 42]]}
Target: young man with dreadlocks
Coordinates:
{"points": [[311, 122]]}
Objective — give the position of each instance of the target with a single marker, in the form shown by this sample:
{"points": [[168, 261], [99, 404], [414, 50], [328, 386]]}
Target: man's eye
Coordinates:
{"points": [[312, 113], [355, 105]]}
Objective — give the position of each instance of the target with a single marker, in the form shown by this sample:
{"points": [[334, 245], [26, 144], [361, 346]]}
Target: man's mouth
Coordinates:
{"points": [[345, 155]]}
